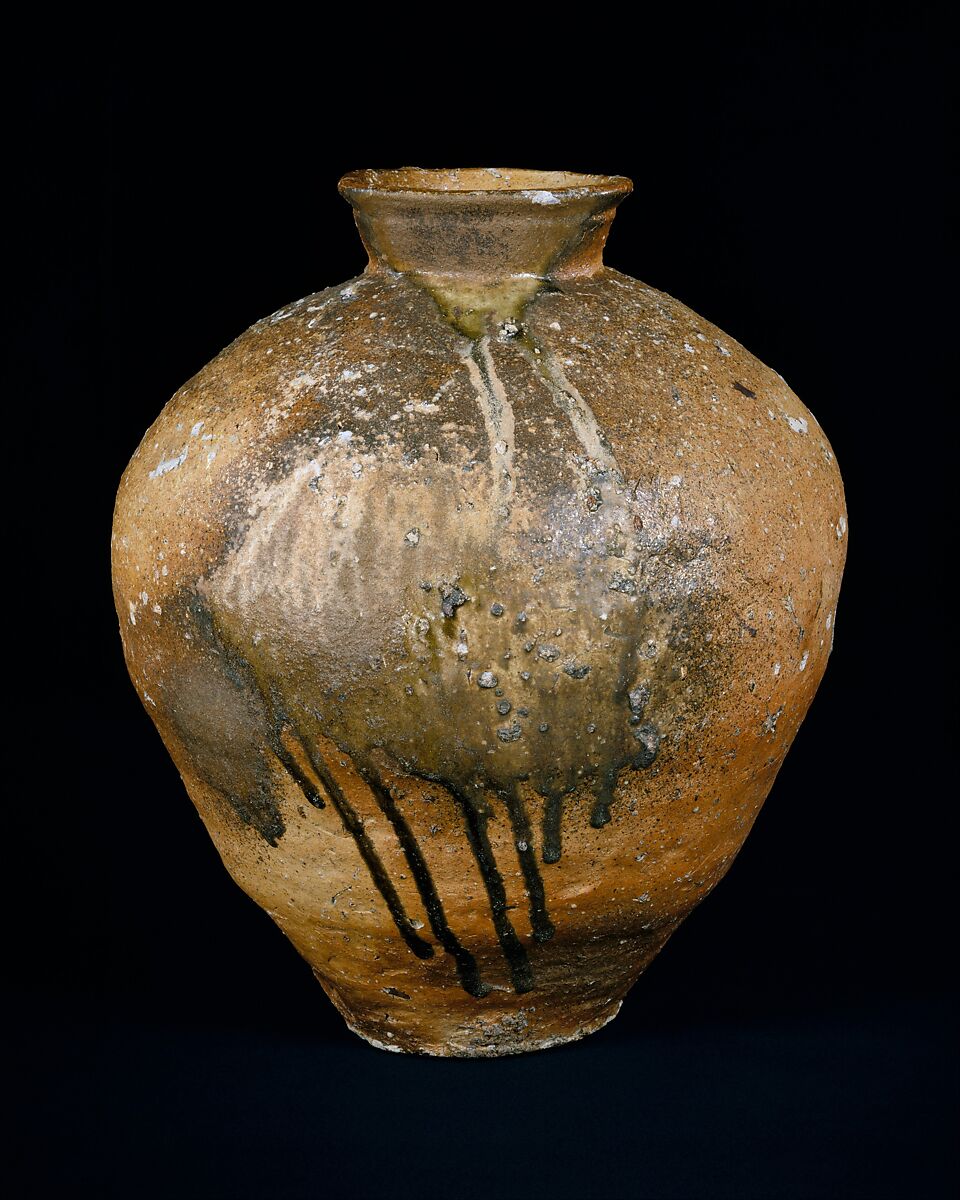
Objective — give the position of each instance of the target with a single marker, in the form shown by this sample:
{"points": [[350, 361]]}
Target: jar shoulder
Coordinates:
{"points": [[603, 377]]}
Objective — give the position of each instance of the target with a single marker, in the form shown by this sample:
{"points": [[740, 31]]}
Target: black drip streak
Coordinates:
{"points": [[354, 826], [298, 775], [539, 917], [600, 815], [475, 819], [467, 971], [605, 793], [552, 812]]}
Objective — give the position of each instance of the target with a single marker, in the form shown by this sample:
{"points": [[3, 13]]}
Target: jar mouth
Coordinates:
{"points": [[544, 187]]}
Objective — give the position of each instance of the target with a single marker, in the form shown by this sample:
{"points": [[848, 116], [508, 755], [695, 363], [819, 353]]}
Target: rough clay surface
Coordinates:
{"points": [[478, 635]]}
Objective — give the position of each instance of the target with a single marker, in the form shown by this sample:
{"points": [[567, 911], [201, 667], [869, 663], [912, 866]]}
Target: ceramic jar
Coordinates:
{"points": [[478, 600]]}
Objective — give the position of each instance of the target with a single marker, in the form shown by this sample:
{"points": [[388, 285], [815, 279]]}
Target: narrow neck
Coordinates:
{"points": [[458, 228]]}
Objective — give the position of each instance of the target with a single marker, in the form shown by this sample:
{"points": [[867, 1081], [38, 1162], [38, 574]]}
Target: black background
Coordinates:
{"points": [[793, 1039]]}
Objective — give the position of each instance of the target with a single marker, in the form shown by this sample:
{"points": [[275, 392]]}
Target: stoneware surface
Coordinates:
{"points": [[478, 601]]}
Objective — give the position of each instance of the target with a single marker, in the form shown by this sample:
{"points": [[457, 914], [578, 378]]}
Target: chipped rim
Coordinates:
{"points": [[542, 187]]}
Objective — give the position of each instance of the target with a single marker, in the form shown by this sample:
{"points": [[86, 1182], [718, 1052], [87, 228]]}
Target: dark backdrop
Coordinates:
{"points": [[793, 1039]]}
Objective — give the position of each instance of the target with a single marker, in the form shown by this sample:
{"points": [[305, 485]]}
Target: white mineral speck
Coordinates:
{"points": [[776, 668], [797, 424], [169, 464], [543, 198], [804, 661]]}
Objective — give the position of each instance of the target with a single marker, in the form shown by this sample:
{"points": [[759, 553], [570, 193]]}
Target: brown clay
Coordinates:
{"points": [[478, 601]]}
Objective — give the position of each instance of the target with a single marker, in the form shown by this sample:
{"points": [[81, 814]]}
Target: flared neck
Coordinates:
{"points": [[484, 225]]}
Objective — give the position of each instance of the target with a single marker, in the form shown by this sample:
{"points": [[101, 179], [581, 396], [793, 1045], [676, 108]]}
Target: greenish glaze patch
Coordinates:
{"points": [[571, 652], [472, 308]]}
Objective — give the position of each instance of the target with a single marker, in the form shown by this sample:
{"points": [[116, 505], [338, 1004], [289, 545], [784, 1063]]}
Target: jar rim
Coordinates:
{"points": [[544, 187]]}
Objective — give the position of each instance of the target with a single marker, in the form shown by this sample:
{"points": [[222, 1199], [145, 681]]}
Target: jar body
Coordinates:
{"points": [[478, 650]]}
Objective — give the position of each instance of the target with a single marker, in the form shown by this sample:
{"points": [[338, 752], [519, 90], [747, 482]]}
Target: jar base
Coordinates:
{"points": [[501, 1031]]}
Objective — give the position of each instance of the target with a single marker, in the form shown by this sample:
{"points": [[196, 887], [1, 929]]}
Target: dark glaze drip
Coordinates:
{"points": [[476, 814], [467, 971], [605, 788], [354, 826], [299, 776], [552, 812], [543, 928], [600, 814]]}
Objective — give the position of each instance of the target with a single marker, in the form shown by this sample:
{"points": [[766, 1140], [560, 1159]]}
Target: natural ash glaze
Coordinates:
{"points": [[478, 601]]}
